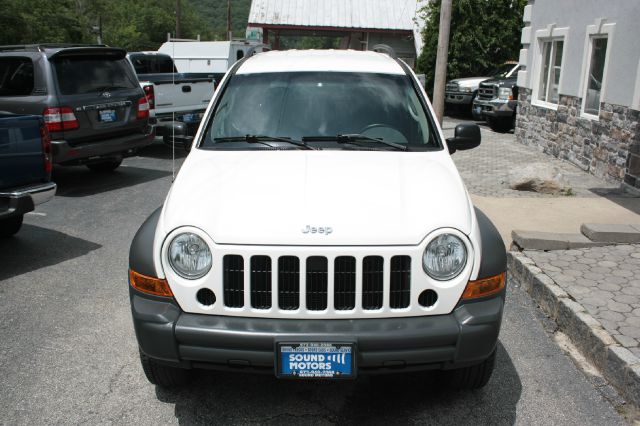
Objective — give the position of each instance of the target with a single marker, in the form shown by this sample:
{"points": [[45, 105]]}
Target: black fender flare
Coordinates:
{"points": [[141, 251], [493, 259]]}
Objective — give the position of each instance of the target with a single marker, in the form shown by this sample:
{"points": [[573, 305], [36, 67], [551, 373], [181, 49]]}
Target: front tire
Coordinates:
{"points": [[10, 226], [163, 375], [473, 377], [105, 166]]}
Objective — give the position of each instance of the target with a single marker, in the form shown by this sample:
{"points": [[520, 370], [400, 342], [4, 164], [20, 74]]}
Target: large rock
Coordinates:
{"points": [[537, 177]]}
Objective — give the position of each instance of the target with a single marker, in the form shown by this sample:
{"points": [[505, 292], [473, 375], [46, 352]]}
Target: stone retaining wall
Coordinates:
{"points": [[607, 148]]}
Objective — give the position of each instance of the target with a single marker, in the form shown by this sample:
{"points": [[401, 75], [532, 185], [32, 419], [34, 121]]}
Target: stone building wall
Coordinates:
{"points": [[608, 148]]}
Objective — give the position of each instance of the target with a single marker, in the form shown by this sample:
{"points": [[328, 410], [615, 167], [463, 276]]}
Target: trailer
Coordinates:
{"points": [[209, 57]]}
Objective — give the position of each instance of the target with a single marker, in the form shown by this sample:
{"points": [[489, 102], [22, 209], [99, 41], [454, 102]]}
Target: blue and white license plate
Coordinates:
{"points": [[191, 118], [108, 115], [313, 360]]}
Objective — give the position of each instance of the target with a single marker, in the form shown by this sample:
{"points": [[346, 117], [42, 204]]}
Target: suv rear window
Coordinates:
{"points": [[152, 64], [79, 74], [16, 76]]}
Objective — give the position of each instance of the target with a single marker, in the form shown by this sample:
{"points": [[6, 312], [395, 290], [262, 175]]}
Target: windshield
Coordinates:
{"points": [[304, 105], [502, 71]]}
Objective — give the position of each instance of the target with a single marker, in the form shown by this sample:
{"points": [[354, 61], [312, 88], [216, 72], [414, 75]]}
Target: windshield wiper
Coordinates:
{"points": [[353, 139], [261, 139]]}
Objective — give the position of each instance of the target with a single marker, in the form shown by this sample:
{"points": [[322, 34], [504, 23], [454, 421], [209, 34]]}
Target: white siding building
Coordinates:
{"points": [[361, 24], [580, 87]]}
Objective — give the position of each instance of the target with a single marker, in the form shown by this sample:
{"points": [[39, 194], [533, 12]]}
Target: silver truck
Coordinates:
{"points": [[176, 100], [461, 92]]}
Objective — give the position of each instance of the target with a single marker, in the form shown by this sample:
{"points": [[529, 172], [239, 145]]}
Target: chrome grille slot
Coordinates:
{"points": [[486, 92], [372, 282], [317, 283], [289, 283], [400, 289], [344, 283], [233, 280], [261, 282]]}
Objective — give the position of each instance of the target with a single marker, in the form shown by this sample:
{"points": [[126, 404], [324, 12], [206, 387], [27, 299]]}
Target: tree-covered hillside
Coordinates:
{"points": [[214, 14], [133, 25]]}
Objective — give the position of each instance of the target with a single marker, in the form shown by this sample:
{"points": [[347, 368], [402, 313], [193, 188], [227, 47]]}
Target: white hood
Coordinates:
{"points": [[365, 197], [469, 81]]}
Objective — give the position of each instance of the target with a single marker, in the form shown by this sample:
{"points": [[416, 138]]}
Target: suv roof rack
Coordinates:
{"points": [[40, 47], [386, 49]]}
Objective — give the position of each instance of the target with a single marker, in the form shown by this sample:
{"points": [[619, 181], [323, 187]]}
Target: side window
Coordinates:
{"points": [[239, 55], [16, 76], [595, 74], [550, 70]]}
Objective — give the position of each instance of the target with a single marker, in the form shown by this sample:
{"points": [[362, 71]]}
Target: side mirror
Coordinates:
{"points": [[466, 136]]}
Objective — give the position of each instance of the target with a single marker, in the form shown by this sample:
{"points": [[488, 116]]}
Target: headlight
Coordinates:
{"points": [[505, 94], [189, 256], [445, 257], [466, 89]]}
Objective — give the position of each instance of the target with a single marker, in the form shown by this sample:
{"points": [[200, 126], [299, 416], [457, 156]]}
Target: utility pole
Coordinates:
{"points": [[229, 34], [441, 59], [178, 16], [99, 29]]}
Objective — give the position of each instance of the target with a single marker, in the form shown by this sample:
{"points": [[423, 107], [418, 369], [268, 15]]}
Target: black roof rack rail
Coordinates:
{"points": [[386, 49], [39, 47]]}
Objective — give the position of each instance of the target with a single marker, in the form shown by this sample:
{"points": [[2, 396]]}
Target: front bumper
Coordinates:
{"points": [[18, 201], [465, 337], [458, 98], [494, 108]]}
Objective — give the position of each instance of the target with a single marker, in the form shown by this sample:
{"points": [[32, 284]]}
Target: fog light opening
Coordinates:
{"points": [[428, 298], [206, 297]]}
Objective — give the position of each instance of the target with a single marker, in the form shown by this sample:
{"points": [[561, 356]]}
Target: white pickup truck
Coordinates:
{"points": [[177, 101]]}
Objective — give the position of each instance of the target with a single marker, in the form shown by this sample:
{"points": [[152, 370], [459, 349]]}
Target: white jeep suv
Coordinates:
{"points": [[319, 229]]}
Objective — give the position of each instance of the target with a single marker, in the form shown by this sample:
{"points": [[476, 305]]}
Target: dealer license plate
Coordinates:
{"points": [[191, 118], [108, 115], [314, 360]]}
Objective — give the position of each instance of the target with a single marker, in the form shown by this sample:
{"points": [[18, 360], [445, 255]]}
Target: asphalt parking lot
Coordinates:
{"points": [[69, 353]]}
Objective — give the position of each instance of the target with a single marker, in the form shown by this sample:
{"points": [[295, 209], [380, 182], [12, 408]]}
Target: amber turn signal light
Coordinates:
{"points": [[150, 285], [484, 287]]}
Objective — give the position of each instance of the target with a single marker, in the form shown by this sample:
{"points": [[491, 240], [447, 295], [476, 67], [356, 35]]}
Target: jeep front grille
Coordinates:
{"points": [[233, 277], [372, 276], [318, 282], [344, 283], [261, 282], [400, 291], [289, 283]]}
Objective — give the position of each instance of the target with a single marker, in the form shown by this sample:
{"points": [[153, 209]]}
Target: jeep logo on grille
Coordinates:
{"points": [[308, 229]]}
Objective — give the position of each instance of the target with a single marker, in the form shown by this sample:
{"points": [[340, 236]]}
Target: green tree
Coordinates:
{"points": [[38, 21], [484, 34]]}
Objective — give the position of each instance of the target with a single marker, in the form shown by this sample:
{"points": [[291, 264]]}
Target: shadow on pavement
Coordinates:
{"points": [[623, 199], [80, 181], [228, 398], [160, 151], [34, 247]]}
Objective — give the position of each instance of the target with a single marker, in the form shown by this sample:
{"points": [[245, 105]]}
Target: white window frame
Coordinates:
{"points": [[549, 34], [635, 104], [598, 30]]}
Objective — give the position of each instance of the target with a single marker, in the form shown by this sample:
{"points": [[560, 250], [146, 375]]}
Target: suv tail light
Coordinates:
{"points": [[150, 95], [143, 109], [59, 119], [45, 138]]}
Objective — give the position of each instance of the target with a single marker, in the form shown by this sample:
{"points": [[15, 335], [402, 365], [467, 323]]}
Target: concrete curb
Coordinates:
{"points": [[617, 364]]}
